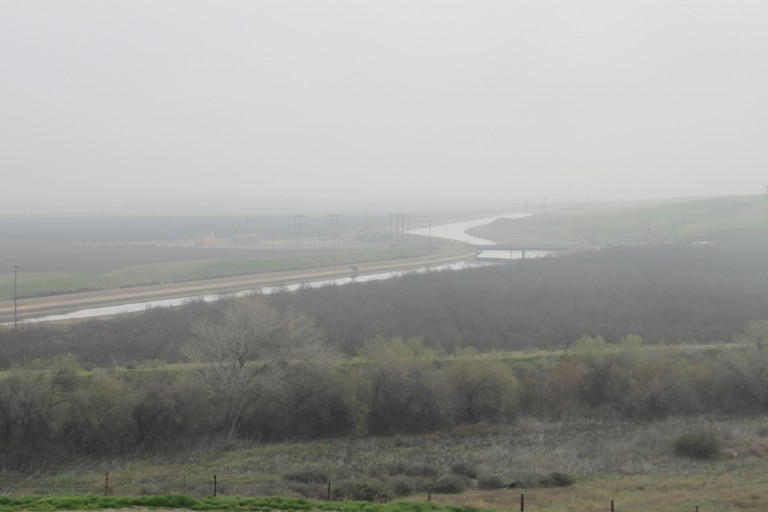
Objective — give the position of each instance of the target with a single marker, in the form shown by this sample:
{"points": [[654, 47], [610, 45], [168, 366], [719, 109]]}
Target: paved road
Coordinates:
{"points": [[58, 304]]}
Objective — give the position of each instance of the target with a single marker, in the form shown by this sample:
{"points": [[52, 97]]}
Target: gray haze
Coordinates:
{"points": [[382, 104]]}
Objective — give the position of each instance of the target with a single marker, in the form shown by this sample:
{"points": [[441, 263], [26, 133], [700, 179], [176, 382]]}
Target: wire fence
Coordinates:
{"points": [[110, 484], [194, 485]]}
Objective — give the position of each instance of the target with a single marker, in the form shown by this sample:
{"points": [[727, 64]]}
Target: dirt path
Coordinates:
{"points": [[58, 304]]}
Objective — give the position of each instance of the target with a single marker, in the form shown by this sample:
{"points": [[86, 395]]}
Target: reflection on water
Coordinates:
{"points": [[458, 230], [141, 306]]}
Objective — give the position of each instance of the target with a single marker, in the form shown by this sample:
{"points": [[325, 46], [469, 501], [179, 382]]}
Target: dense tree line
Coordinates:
{"points": [[53, 410], [669, 294]]}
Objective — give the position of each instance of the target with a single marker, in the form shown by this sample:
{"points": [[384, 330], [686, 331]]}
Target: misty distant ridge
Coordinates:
{"points": [[113, 226], [433, 206]]}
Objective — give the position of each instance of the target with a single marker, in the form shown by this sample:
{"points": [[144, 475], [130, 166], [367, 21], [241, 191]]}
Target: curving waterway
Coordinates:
{"points": [[452, 231]]}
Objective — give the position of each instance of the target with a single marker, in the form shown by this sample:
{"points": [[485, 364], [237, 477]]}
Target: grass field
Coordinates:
{"points": [[631, 463], [56, 268], [634, 223]]}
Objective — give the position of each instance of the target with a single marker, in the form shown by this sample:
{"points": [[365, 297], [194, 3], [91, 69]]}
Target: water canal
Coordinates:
{"points": [[453, 231]]}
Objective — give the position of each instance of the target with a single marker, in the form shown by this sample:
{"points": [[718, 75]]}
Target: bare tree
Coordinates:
{"points": [[250, 351]]}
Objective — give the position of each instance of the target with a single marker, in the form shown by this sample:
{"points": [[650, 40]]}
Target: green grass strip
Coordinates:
{"points": [[177, 501]]}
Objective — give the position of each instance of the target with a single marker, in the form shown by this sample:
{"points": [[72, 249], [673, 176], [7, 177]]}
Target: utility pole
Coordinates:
{"points": [[15, 295]]}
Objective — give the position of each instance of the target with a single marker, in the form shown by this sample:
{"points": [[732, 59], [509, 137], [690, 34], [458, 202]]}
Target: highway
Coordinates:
{"points": [[60, 304]]}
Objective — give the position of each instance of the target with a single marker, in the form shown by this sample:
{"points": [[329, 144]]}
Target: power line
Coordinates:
{"points": [[16, 295]]}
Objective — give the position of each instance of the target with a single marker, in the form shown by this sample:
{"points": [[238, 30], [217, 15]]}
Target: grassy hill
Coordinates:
{"points": [[636, 223]]}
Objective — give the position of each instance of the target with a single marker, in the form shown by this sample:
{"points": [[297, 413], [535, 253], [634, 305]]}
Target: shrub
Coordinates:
{"points": [[306, 476], [488, 482], [362, 490], [422, 470], [465, 469], [698, 443], [310, 491], [402, 486], [450, 484], [555, 479], [397, 468]]}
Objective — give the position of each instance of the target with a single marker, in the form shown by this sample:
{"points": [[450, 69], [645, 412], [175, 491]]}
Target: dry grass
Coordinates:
{"points": [[631, 463], [710, 491]]}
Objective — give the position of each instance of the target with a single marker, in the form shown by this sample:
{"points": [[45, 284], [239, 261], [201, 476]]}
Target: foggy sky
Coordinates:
{"points": [[380, 104]]}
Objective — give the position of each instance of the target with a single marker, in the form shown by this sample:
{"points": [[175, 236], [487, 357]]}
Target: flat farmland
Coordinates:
{"points": [[58, 277], [100, 258]]}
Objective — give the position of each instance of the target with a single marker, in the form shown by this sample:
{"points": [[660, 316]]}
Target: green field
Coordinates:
{"points": [[33, 283], [635, 223]]}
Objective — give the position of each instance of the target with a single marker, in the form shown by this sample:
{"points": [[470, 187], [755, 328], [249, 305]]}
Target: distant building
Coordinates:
{"points": [[247, 239], [206, 240]]}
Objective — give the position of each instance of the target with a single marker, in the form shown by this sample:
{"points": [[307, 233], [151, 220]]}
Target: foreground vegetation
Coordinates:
{"points": [[633, 463], [223, 503], [261, 374], [631, 373]]}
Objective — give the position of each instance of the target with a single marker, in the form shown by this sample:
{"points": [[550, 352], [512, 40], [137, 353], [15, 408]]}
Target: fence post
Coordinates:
{"points": [[106, 483], [522, 503], [429, 493], [329, 491], [612, 506], [184, 484], [214, 485]]}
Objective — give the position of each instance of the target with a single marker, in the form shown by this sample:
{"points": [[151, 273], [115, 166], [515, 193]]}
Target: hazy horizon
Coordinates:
{"points": [[276, 106]]}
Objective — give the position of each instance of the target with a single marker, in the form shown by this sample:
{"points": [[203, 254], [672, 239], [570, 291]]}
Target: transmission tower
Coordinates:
{"points": [[296, 229]]}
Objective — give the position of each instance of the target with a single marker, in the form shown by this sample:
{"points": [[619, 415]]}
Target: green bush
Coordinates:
{"points": [[422, 470], [398, 467], [306, 476], [698, 443], [488, 482], [555, 479], [362, 490], [465, 469], [311, 491], [402, 486], [450, 484]]}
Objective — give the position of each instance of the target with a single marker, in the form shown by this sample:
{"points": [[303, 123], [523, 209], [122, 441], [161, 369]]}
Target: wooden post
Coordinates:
{"points": [[612, 506], [214, 485], [429, 494], [106, 483], [184, 484], [522, 503], [329, 491]]}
